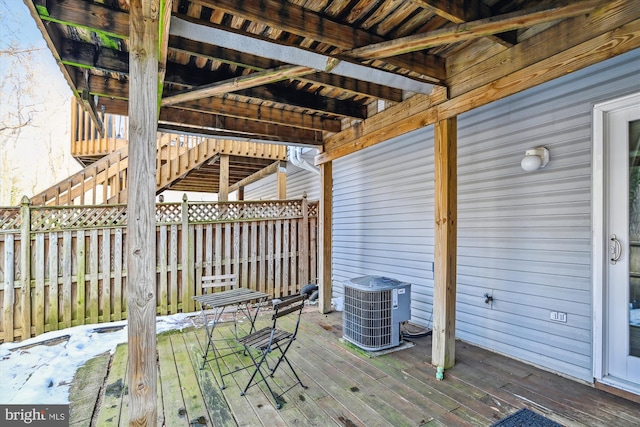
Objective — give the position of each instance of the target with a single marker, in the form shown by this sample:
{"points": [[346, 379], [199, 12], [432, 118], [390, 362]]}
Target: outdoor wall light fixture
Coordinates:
{"points": [[534, 159]]}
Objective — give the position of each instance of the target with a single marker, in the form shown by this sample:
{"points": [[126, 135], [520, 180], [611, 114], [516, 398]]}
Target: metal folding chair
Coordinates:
{"points": [[223, 293], [273, 342]]}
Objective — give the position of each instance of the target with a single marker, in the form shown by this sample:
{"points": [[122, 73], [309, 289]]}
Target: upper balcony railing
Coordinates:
{"points": [[87, 144]]}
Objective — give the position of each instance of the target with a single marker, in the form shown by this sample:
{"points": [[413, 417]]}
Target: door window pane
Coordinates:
{"points": [[634, 237]]}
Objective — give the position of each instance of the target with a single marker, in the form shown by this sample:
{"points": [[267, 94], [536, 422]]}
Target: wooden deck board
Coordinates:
{"points": [[196, 409], [86, 385], [211, 393], [399, 380], [346, 387], [369, 389], [114, 390], [172, 398]]}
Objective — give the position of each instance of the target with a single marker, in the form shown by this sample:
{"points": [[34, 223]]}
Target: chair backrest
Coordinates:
{"points": [[287, 306], [219, 282]]}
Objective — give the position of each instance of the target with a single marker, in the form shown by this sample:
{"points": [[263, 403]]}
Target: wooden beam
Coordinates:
{"points": [[91, 108], [223, 188], [309, 101], [221, 134], [465, 74], [325, 251], [295, 55], [211, 124], [141, 226], [383, 126], [607, 38], [206, 119], [456, 11], [444, 276], [238, 108], [163, 54], [239, 83], [244, 60], [235, 107], [262, 173], [459, 11], [89, 15], [309, 24], [475, 29], [80, 54]]}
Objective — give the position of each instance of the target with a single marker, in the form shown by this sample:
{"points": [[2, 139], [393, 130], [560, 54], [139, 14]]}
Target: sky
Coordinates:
{"points": [[40, 156], [32, 372]]}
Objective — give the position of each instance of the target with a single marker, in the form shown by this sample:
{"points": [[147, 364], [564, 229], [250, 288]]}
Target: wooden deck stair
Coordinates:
{"points": [[194, 160], [92, 185]]}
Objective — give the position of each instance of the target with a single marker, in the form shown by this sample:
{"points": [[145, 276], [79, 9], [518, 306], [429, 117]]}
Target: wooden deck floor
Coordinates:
{"points": [[348, 388]]}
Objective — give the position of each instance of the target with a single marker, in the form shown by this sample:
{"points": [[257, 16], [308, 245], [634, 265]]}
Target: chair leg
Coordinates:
{"points": [[295, 374], [258, 370], [283, 356]]}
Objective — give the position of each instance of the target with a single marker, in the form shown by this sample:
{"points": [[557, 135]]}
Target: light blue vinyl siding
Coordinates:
{"points": [[524, 238], [383, 216], [299, 181]]}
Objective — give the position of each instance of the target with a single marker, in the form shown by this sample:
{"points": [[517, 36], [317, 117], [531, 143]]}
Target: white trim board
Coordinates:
{"points": [[598, 220]]}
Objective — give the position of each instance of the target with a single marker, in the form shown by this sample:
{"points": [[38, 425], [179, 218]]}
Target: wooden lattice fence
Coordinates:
{"points": [[73, 270]]}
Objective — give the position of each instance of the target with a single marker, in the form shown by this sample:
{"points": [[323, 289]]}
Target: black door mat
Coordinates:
{"points": [[525, 418]]}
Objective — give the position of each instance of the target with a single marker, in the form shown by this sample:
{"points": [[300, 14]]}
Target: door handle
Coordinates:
{"points": [[615, 249]]}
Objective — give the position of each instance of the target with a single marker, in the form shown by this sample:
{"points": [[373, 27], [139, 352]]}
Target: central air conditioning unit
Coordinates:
{"points": [[374, 307]]}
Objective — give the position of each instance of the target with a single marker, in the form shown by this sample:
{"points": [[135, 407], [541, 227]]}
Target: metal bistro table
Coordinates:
{"points": [[217, 302]]}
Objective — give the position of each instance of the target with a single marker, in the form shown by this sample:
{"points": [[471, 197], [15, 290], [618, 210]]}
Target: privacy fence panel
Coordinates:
{"points": [[73, 270]]}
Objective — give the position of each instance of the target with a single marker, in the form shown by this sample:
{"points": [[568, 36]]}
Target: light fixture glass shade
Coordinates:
{"points": [[535, 159], [531, 163]]}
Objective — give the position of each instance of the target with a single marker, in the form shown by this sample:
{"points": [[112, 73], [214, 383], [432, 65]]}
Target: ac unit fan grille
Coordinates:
{"points": [[367, 317]]}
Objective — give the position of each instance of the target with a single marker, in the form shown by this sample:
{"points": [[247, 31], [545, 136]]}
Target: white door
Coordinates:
{"points": [[621, 268]]}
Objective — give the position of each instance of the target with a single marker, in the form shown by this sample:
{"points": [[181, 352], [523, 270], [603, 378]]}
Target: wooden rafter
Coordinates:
{"points": [[86, 14], [102, 86], [260, 113], [108, 60], [460, 11], [239, 83], [306, 23], [205, 31], [253, 62], [590, 39], [230, 126], [475, 29], [235, 109], [466, 75]]}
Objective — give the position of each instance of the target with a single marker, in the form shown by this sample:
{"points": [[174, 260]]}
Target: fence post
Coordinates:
{"points": [[304, 243], [25, 266], [188, 254], [9, 287]]}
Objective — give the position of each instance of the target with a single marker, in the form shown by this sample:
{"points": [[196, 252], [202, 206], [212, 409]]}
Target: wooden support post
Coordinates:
{"points": [[25, 263], [141, 222], [281, 180], [444, 278], [324, 242], [223, 189]]}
